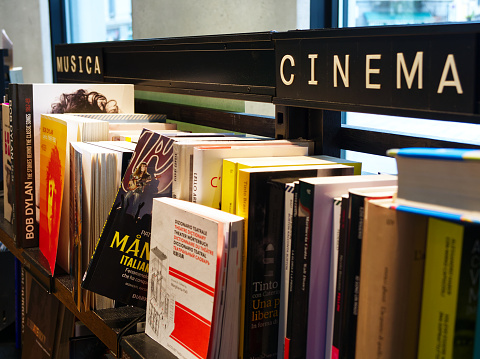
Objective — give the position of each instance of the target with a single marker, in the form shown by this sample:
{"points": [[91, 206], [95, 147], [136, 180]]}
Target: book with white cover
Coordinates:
{"points": [[208, 163], [193, 281]]}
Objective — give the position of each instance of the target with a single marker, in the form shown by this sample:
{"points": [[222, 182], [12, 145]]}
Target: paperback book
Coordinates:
{"points": [[193, 283]]}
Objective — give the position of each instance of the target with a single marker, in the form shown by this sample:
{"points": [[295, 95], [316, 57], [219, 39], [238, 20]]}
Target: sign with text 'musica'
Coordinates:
{"points": [[80, 64], [421, 72]]}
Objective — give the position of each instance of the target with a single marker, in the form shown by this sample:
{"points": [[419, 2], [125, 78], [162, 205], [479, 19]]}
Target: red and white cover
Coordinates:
{"points": [[186, 277]]}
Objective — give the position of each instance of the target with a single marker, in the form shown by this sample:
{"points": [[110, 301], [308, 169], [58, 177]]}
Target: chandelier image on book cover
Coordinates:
{"points": [[119, 266]]}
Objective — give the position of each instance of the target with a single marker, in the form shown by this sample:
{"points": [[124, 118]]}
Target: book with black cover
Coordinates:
{"points": [[27, 102], [40, 324], [120, 263], [263, 255]]}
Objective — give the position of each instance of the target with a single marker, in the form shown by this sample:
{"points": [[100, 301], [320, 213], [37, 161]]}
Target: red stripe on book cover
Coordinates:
{"points": [[335, 353], [191, 331], [286, 349], [192, 281]]}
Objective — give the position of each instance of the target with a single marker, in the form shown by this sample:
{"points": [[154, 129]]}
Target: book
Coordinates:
{"points": [[261, 278], [127, 117], [8, 194], [351, 264], [288, 201], [324, 189], [98, 170], [392, 266], [231, 166], [58, 131], [183, 160], [27, 102], [450, 287], [44, 325], [439, 180], [137, 126], [337, 222], [194, 285], [332, 351], [208, 161]]}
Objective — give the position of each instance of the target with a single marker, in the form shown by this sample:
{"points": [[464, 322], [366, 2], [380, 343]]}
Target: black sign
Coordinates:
{"points": [[432, 73], [80, 64]]}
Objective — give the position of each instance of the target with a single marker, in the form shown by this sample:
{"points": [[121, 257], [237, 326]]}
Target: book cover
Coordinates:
{"points": [[392, 266], [120, 264], [78, 129], [8, 195], [449, 310], [262, 255], [40, 324], [53, 144], [25, 225], [193, 278], [207, 166], [27, 103], [325, 189]]}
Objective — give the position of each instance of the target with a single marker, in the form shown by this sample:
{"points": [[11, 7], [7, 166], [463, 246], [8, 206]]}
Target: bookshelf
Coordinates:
{"points": [[295, 71]]}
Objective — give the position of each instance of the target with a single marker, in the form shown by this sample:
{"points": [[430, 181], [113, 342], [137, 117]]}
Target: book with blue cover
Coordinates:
{"points": [[439, 182]]}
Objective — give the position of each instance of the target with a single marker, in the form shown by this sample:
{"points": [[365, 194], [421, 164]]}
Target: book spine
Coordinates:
{"points": [[197, 169], [339, 292], [352, 275], [467, 300], [286, 253], [301, 270], [176, 181], [243, 187], [291, 278], [229, 181], [439, 301], [337, 212], [23, 172]]}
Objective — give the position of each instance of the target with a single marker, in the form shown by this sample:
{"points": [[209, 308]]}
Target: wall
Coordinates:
{"points": [[165, 18], [27, 24]]}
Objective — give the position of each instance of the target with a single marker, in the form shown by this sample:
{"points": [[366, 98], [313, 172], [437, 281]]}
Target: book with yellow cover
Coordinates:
{"points": [[231, 166], [449, 311]]}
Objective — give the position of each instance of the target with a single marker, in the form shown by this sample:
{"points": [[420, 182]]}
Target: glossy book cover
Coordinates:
{"points": [[53, 143], [120, 264]]}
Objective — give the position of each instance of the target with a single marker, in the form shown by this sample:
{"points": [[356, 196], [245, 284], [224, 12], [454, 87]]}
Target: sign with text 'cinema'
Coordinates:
{"points": [[432, 73]]}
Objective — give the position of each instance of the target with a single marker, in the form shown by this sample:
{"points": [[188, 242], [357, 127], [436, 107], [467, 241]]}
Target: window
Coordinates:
{"points": [[397, 12], [93, 20]]}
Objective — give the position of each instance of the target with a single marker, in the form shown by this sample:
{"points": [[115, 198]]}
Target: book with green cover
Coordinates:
{"points": [[449, 302]]}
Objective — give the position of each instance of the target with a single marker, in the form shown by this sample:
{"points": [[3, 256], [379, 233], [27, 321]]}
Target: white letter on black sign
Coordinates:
{"points": [[337, 67], [369, 71], [450, 64], [312, 58], [417, 65], [292, 76]]}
